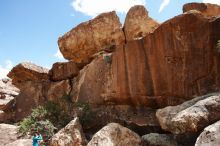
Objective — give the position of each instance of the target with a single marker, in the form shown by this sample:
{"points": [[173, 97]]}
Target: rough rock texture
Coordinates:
{"points": [[37, 93], [27, 72], [93, 83], [91, 37], [63, 70], [141, 120], [210, 136], [71, 135], [7, 94], [8, 133], [138, 23], [115, 135], [155, 139], [6, 116], [21, 142], [171, 63], [157, 70], [191, 116], [205, 9]]}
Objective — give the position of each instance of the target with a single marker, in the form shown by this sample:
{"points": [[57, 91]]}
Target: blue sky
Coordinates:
{"points": [[29, 29]]}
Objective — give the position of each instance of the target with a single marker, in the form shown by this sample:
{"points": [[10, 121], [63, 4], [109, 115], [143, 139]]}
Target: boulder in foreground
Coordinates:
{"points": [[115, 135], [71, 135]]}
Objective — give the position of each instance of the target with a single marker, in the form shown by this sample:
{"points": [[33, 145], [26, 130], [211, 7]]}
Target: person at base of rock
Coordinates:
{"points": [[36, 139]]}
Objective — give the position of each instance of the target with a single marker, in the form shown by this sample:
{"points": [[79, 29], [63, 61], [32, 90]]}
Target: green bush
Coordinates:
{"points": [[45, 119], [87, 113]]}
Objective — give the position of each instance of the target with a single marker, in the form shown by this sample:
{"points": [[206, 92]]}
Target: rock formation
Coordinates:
{"points": [[191, 116], [27, 72], [210, 136], [71, 135], [63, 71], [138, 24], [115, 135], [154, 67], [205, 9], [88, 38]]}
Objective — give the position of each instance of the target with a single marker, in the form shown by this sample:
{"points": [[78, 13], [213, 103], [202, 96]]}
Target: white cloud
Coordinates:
{"points": [[163, 5], [5, 69], [212, 1], [59, 55], [95, 7]]}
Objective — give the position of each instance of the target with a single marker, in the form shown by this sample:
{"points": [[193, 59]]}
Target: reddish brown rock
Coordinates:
{"points": [[138, 24], [27, 72], [173, 64], [63, 70], [205, 9], [91, 37], [37, 93]]}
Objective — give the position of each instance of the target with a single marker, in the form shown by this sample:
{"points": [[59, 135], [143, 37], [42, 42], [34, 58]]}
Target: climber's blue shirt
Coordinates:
{"points": [[36, 139]]}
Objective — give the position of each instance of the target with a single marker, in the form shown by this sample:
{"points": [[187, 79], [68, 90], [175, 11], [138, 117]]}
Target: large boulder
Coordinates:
{"points": [[63, 70], [21, 142], [115, 135], [205, 9], [8, 133], [138, 24], [210, 136], [27, 71], [191, 116], [90, 37], [71, 135]]}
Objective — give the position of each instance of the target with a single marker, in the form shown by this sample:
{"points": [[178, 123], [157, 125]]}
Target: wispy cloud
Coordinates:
{"points": [[4, 69], [95, 7], [59, 55], [163, 5], [212, 1]]}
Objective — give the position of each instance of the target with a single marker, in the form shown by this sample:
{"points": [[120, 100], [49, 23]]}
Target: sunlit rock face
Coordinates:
{"points": [[206, 9], [88, 38], [138, 24]]}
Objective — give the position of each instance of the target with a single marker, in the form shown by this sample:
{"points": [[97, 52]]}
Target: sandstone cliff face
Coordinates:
{"points": [[91, 37], [205, 9], [138, 23]]}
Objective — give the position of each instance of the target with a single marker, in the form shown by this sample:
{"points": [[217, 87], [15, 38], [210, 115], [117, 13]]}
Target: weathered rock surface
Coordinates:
{"points": [[71, 135], [138, 24], [210, 136], [63, 70], [93, 83], [155, 139], [191, 116], [37, 93], [115, 135], [91, 37], [8, 133], [159, 70], [21, 142], [7, 94], [27, 72], [205, 9]]}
